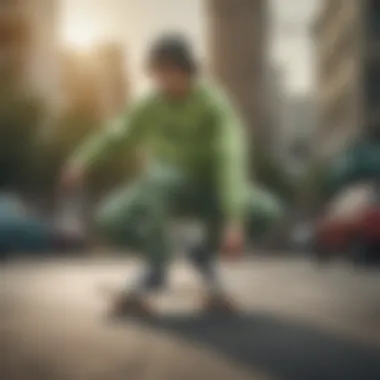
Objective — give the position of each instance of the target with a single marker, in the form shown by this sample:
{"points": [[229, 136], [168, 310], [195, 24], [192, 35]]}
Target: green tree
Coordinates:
{"points": [[20, 118]]}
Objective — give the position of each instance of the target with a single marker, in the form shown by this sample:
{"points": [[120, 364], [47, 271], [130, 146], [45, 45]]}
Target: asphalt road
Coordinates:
{"points": [[297, 323]]}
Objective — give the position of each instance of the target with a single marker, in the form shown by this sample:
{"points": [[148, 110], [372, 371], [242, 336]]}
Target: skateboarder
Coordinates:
{"points": [[196, 164]]}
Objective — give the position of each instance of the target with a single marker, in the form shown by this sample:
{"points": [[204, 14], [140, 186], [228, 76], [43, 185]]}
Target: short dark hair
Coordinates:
{"points": [[173, 50]]}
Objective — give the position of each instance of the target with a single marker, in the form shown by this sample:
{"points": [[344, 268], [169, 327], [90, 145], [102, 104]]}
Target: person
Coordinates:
{"points": [[196, 163]]}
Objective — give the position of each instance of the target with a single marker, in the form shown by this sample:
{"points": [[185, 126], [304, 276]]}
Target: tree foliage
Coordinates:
{"points": [[21, 115]]}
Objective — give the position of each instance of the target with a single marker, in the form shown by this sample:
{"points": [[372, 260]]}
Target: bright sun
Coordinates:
{"points": [[80, 35]]}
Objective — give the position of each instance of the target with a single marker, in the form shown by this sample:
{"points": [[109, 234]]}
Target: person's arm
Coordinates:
{"points": [[231, 162], [123, 132]]}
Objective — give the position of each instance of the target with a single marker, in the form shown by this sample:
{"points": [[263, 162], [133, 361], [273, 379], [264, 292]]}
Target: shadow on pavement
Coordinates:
{"points": [[285, 350]]}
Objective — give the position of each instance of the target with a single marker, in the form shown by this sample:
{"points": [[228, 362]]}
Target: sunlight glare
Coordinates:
{"points": [[80, 36]]}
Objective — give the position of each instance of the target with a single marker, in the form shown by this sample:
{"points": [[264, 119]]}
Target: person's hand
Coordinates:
{"points": [[72, 177], [233, 241]]}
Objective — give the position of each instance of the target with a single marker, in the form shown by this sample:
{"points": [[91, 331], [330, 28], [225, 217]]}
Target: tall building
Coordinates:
{"points": [[347, 36], [28, 46], [79, 82], [96, 81], [299, 130], [236, 39], [14, 37], [274, 104], [113, 78]]}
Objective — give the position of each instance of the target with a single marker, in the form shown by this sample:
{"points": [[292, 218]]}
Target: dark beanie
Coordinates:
{"points": [[173, 50]]}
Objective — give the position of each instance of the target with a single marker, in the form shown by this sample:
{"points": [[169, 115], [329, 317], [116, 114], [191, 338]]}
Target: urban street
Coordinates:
{"points": [[298, 322]]}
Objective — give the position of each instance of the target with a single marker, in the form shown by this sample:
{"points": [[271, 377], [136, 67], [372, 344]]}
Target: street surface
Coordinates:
{"points": [[297, 323]]}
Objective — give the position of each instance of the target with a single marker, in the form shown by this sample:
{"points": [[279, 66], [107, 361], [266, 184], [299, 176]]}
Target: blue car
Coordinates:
{"points": [[19, 230], [22, 231]]}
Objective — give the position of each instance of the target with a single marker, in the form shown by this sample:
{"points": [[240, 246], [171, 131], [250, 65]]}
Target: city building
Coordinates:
{"points": [[274, 109], [347, 37], [28, 47], [111, 68], [298, 132], [95, 81], [236, 34]]}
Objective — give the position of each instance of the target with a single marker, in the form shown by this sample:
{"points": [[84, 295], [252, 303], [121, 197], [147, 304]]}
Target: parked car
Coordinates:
{"points": [[24, 231], [350, 226]]}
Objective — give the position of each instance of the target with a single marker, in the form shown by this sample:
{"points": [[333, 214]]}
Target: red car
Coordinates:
{"points": [[350, 227]]}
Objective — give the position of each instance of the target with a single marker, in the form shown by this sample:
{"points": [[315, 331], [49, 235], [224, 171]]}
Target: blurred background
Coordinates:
{"points": [[304, 74], [69, 66]]}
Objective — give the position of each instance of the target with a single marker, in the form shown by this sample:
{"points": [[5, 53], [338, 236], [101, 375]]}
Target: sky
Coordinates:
{"points": [[136, 22]]}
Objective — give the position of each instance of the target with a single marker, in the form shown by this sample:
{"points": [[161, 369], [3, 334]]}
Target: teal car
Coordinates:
{"points": [[19, 230]]}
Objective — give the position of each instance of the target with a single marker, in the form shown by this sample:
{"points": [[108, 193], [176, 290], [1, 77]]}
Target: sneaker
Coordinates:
{"points": [[220, 305], [126, 305]]}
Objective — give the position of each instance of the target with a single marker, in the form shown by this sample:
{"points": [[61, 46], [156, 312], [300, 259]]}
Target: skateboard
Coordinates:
{"points": [[122, 305]]}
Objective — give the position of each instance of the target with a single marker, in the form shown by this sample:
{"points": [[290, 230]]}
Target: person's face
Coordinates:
{"points": [[170, 80]]}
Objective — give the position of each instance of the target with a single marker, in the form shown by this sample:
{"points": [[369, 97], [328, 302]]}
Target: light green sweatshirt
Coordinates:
{"points": [[200, 135]]}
